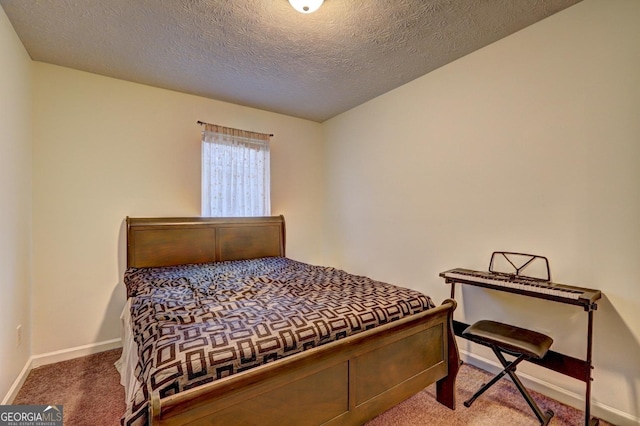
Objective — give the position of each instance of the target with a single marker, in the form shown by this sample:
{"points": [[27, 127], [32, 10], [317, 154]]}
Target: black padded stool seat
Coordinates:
{"points": [[511, 339], [520, 342]]}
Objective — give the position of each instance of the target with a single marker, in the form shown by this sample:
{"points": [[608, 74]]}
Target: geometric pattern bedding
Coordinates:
{"points": [[194, 324]]}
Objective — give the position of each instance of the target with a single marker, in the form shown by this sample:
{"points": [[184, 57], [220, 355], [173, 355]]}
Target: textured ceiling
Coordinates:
{"points": [[264, 54]]}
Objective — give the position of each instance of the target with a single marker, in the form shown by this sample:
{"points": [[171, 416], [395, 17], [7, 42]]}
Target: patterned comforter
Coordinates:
{"points": [[194, 324]]}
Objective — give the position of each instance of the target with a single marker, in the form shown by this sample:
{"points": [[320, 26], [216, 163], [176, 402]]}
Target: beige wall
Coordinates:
{"points": [[105, 149], [530, 144], [15, 203]]}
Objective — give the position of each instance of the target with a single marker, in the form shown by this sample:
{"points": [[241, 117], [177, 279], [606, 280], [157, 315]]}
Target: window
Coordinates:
{"points": [[235, 172]]}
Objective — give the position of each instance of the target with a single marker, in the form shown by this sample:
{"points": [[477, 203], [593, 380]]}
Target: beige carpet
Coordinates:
{"points": [[90, 391]]}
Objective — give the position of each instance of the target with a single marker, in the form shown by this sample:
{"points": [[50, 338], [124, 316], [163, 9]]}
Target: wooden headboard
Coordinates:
{"points": [[182, 240]]}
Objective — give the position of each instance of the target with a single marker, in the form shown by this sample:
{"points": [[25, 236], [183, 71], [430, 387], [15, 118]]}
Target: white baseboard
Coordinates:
{"points": [[77, 352], [13, 390], [599, 410], [57, 356]]}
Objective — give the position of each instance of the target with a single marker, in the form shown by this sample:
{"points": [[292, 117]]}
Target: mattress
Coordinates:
{"points": [[193, 324]]}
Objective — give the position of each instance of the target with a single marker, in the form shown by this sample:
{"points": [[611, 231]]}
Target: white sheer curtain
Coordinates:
{"points": [[235, 173]]}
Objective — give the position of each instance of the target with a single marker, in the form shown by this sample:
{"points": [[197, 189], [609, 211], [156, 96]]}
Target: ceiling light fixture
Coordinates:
{"points": [[306, 6]]}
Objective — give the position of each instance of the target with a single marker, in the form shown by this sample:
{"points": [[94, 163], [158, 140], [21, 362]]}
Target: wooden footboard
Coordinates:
{"points": [[345, 382]]}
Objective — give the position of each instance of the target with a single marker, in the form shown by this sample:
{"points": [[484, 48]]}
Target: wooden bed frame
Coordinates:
{"points": [[345, 382]]}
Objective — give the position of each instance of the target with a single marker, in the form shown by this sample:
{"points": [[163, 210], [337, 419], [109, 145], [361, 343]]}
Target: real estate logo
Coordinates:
{"points": [[31, 415]]}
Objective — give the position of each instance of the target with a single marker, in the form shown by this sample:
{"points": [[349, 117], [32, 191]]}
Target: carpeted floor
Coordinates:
{"points": [[90, 391], [88, 388]]}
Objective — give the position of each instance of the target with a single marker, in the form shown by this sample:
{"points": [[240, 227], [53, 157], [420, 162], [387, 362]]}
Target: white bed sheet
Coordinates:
{"points": [[128, 361]]}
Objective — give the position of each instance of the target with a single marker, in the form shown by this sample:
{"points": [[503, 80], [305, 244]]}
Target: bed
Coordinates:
{"points": [[184, 276]]}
